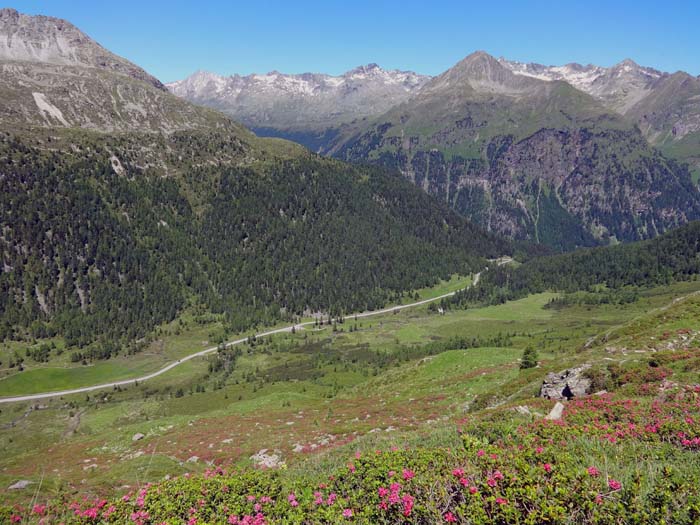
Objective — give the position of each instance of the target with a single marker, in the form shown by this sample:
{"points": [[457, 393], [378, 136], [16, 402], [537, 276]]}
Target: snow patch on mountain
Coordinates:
{"points": [[581, 77], [620, 86]]}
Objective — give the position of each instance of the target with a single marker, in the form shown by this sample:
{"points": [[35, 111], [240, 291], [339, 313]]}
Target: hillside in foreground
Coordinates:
{"points": [[413, 418]]}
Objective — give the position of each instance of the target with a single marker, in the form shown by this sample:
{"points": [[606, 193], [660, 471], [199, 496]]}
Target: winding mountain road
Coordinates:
{"points": [[124, 382]]}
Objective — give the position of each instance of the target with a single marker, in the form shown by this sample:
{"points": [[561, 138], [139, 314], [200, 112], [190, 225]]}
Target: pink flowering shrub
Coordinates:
{"points": [[607, 461]]}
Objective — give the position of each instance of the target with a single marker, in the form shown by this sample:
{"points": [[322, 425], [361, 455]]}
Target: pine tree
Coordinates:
{"points": [[529, 359]]}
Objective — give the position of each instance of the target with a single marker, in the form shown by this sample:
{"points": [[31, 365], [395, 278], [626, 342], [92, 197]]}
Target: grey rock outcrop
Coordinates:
{"points": [[567, 384], [266, 459]]}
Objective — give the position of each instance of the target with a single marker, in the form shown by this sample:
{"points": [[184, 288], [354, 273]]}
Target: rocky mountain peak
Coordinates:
{"points": [[630, 68], [479, 64], [369, 68], [48, 40], [629, 63], [483, 73]]}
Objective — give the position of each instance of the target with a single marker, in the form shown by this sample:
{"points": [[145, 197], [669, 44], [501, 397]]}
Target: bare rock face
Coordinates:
{"points": [[49, 40], [54, 75], [567, 384]]}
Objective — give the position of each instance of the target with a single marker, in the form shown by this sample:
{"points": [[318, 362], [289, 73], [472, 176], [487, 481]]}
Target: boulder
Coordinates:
{"points": [[567, 384], [21, 484], [266, 459], [556, 412], [138, 436]]}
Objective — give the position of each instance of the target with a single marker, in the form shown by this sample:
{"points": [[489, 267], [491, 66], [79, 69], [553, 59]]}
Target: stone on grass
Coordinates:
{"points": [[21, 484], [556, 412], [266, 459], [567, 384]]}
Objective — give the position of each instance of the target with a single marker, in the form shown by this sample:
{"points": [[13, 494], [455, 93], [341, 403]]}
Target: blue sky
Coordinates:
{"points": [[173, 39]]}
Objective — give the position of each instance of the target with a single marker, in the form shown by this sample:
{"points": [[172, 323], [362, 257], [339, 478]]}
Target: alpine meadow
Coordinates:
{"points": [[464, 294]]}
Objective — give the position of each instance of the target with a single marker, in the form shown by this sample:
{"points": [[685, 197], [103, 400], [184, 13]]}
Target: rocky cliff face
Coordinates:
{"points": [[565, 188], [528, 158], [53, 75], [665, 106], [49, 40]]}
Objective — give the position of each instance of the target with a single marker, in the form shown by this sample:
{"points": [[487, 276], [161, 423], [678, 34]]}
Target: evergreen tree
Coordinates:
{"points": [[529, 359]]}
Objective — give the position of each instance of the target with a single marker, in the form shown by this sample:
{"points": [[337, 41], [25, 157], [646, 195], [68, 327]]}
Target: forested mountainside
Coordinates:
{"points": [[673, 256], [97, 248], [528, 158]]}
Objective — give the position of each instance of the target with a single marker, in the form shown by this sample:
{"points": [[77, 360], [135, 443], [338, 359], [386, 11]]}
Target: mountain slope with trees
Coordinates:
{"points": [[674, 256], [95, 254]]}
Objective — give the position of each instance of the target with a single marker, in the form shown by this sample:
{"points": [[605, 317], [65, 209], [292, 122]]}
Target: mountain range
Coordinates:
{"points": [[568, 156], [665, 106], [307, 108]]}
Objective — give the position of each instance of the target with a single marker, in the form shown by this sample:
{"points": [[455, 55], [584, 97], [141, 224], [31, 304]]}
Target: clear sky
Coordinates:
{"points": [[173, 39]]}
